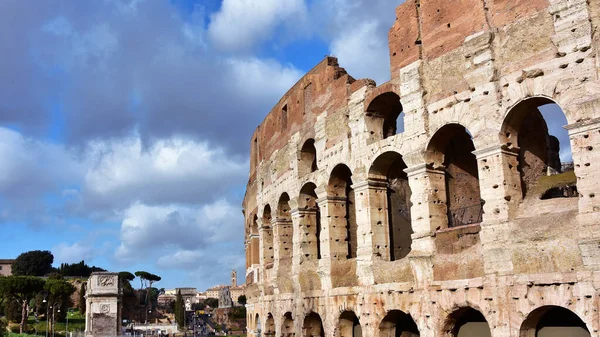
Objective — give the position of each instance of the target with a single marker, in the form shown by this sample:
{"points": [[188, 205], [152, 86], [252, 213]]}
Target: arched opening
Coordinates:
{"points": [[467, 322], [284, 228], [386, 116], [553, 321], [287, 328], [398, 324], [313, 326], [257, 326], [308, 158], [267, 238], [389, 167], [269, 330], [451, 149], [310, 225], [534, 129], [340, 187], [349, 325]]}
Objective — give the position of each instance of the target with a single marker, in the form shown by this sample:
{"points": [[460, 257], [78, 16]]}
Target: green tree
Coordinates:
{"points": [[242, 299], [212, 302], [179, 310], [59, 296], [146, 281], [21, 289], [33, 263], [82, 298]]}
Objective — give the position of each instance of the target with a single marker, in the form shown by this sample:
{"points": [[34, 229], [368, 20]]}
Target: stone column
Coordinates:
{"points": [[282, 243], [266, 253], [305, 238], [330, 231], [373, 229], [428, 214], [103, 303], [500, 186]]}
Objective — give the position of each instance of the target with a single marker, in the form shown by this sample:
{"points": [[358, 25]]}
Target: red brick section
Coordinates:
{"points": [[504, 12], [403, 37], [326, 88], [445, 24], [382, 89]]}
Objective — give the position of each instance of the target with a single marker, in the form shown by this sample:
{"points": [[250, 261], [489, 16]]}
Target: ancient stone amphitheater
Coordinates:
{"points": [[436, 204]]}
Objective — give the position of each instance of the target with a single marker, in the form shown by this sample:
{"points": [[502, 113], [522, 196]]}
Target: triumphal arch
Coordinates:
{"points": [[444, 202]]}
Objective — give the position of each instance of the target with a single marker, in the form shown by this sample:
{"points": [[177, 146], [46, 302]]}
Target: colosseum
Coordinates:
{"points": [[443, 202]]}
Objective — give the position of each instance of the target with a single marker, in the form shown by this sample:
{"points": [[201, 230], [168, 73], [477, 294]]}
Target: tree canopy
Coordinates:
{"points": [[33, 263], [21, 289], [242, 299], [125, 275], [78, 269]]}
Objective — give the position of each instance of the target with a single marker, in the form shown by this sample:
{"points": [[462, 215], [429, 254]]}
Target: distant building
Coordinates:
{"points": [[235, 290], [6, 267]]}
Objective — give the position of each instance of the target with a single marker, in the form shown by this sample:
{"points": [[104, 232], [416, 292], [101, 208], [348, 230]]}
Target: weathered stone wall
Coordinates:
{"points": [[480, 66]]}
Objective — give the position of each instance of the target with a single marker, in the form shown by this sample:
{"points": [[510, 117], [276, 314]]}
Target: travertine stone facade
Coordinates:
{"points": [[103, 305], [449, 224]]}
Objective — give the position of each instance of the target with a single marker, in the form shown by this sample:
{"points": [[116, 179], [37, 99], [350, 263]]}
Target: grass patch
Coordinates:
{"points": [[546, 183]]}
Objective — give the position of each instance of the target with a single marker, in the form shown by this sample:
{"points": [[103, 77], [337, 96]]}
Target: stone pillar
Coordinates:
{"points": [[500, 186], [103, 303], [282, 243], [373, 229], [266, 253], [428, 214], [328, 206]]}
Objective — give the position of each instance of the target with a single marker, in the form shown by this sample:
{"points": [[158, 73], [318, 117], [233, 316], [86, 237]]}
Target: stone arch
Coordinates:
{"points": [[553, 321], [348, 325], [313, 326], [389, 167], [269, 330], [451, 150], [340, 190], [465, 322], [384, 114], [267, 238], [525, 132], [287, 327], [257, 325], [311, 222], [307, 158], [283, 227], [398, 324]]}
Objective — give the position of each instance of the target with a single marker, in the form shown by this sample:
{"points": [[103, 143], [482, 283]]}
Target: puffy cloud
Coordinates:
{"points": [[242, 24], [65, 253], [178, 233]]}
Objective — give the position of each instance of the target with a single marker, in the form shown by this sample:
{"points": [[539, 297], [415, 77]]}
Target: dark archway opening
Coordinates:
{"points": [[269, 330], [467, 322], [390, 167], [451, 149], [287, 329], [349, 325], [340, 186], [398, 324], [308, 201], [387, 117], [268, 251], [313, 326], [308, 158], [534, 128], [553, 321]]}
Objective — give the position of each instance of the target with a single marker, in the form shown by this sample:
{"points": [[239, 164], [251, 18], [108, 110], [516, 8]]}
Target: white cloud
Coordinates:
{"points": [[65, 253], [177, 231], [240, 24]]}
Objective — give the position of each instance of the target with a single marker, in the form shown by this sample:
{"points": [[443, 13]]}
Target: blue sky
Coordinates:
{"points": [[125, 125]]}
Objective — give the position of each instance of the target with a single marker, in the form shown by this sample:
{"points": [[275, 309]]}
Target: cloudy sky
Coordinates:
{"points": [[125, 125]]}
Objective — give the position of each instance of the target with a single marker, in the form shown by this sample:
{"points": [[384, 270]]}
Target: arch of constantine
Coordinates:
{"points": [[440, 203]]}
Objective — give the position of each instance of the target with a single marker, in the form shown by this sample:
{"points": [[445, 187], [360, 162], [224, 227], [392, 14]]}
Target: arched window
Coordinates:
{"points": [[389, 167], [284, 227], [534, 129], [311, 222], [268, 252], [340, 187], [269, 326], [398, 324], [308, 158], [451, 149], [313, 326], [467, 322], [386, 117], [287, 328], [553, 321], [349, 325]]}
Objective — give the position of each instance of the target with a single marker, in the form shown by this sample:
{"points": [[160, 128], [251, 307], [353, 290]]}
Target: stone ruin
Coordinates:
{"points": [[225, 300], [103, 305], [415, 207]]}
